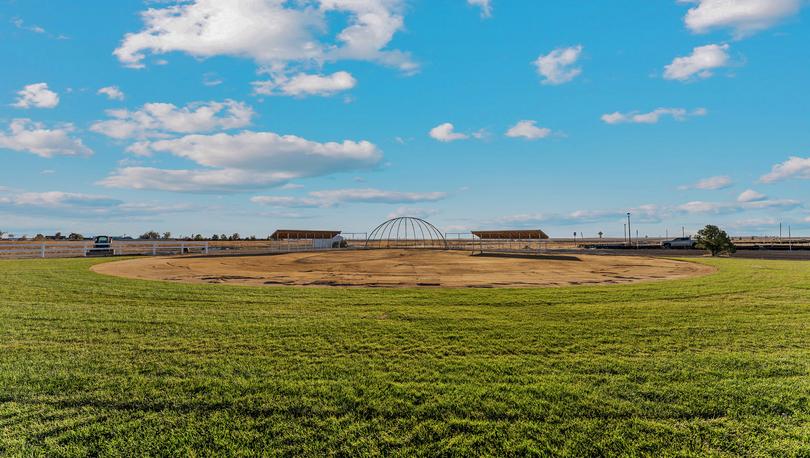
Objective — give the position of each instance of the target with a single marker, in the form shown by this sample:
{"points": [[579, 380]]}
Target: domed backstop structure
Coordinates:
{"points": [[406, 232]]}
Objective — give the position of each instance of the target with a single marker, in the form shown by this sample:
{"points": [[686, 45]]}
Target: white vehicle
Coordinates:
{"points": [[680, 242]]}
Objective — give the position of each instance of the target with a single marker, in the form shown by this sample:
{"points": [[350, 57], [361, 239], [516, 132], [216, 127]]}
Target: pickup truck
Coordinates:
{"points": [[102, 246], [680, 242]]}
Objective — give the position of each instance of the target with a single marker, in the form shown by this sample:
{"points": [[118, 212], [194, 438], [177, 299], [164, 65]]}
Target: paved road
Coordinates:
{"points": [[744, 254]]}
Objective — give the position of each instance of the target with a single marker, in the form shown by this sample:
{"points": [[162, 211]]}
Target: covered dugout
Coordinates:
{"points": [[510, 240], [293, 239]]}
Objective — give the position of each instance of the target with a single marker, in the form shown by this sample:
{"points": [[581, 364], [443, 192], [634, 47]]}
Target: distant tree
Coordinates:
{"points": [[601, 234], [198, 238], [235, 236], [252, 238], [39, 238], [223, 237], [151, 235], [58, 236], [215, 237], [2, 234], [75, 237], [715, 240], [167, 235]]}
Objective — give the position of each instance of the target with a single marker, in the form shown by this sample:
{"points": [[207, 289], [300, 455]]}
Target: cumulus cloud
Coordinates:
{"points": [[743, 16], [484, 5], [679, 114], [750, 195], [700, 64], [529, 130], [36, 96], [302, 85], [793, 168], [247, 160], [273, 33], [446, 133], [160, 119], [710, 184], [558, 66], [335, 197], [112, 92], [27, 136]]}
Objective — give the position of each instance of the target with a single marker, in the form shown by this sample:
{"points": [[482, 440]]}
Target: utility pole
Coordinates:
{"points": [[780, 232], [683, 231], [629, 233], [624, 233]]}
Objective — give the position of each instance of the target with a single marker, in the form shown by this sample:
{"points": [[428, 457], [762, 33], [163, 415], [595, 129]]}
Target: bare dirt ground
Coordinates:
{"points": [[405, 268]]}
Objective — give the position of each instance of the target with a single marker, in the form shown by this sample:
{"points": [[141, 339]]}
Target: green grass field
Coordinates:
{"points": [[718, 365]]}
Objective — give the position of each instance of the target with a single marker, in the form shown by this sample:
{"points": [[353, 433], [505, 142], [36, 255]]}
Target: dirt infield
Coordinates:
{"points": [[404, 268]]}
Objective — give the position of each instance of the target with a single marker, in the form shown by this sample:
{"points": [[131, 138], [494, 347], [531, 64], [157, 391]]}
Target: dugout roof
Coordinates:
{"points": [[296, 234], [516, 234]]}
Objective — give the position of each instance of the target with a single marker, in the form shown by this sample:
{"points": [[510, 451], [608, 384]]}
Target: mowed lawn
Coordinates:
{"points": [[718, 365]]}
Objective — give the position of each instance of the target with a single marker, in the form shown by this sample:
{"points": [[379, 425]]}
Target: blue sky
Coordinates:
{"points": [[250, 115]]}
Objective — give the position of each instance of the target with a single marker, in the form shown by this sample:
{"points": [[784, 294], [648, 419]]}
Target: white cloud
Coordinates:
{"points": [[304, 85], [413, 212], [528, 130], [271, 32], [700, 64], [484, 5], [247, 160], [332, 198], [20, 24], [212, 79], [59, 203], [795, 167], [60, 199], [158, 119], [36, 96], [647, 214], [710, 184], [557, 67], [735, 207], [679, 114], [269, 151], [32, 137], [744, 16], [112, 92], [446, 133], [750, 195], [197, 181]]}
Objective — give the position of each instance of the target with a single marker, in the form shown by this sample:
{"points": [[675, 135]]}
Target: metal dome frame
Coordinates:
{"points": [[427, 237]]}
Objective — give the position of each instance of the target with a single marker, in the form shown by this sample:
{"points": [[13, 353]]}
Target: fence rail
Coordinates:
{"points": [[17, 250]]}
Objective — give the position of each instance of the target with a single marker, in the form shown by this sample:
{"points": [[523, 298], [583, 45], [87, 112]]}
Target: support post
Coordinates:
{"points": [[42, 250]]}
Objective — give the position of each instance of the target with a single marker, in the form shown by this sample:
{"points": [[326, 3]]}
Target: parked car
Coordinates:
{"points": [[680, 242]]}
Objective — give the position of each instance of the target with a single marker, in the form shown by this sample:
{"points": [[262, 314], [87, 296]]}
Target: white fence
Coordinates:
{"points": [[50, 249]]}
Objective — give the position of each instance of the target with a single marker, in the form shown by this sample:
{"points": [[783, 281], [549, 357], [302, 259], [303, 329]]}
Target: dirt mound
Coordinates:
{"points": [[404, 268]]}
